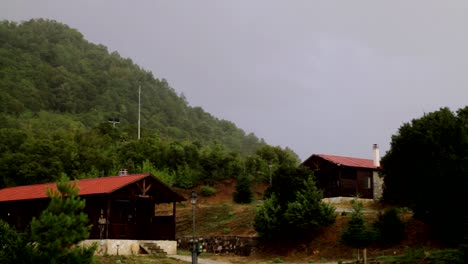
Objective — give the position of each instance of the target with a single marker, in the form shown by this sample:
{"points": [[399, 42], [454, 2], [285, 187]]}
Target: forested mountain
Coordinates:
{"points": [[47, 66], [58, 92]]}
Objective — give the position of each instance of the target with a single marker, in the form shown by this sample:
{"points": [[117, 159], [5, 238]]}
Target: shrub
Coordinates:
{"points": [[358, 234], [295, 213], [185, 177], [207, 191], [452, 256], [243, 193], [389, 228], [308, 213], [13, 248], [278, 260], [268, 218]]}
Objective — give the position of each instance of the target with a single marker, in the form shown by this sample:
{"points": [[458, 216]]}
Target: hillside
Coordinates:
{"points": [[47, 66], [218, 216], [59, 94]]}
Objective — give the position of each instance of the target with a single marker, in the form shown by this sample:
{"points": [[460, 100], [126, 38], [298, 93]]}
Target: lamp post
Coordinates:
{"points": [[193, 201]]}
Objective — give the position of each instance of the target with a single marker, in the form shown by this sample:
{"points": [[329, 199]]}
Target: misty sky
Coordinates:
{"points": [[330, 77]]}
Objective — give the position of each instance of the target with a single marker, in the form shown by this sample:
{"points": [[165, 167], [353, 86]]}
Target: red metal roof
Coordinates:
{"points": [[348, 161], [87, 187]]}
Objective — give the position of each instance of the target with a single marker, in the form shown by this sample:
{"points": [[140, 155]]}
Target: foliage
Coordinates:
{"points": [[64, 215], [389, 227], [293, 212], [308, 213], [207, 191], [426, 169], [163, 175], [57, 93], [357, 234], [243, 193], [14, 248], [446, 256], [277, 260], [420, 256], [268, 219]]}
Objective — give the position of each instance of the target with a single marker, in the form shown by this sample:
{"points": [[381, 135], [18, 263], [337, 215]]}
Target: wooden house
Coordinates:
{"points": [[135, 206], [346, 176]]}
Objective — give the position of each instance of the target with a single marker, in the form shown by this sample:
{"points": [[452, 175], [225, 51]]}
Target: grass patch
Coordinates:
{"points": [[216, 219], [419, 255]]}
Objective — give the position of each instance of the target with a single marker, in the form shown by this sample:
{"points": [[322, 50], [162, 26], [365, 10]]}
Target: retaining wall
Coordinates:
{"points": [[243, 246]]}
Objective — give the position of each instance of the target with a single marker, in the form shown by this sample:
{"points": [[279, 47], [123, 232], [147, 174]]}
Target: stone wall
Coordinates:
{"points": [[127, 247], [242, 246], [378, 186]]}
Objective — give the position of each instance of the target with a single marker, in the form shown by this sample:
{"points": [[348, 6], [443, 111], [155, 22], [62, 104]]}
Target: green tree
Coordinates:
{"points": [[268, 218], [243, 193], [61, 226], [295, 211], [14, 247], [358, 234], [426, 169], [389, 227], [308, 213]]}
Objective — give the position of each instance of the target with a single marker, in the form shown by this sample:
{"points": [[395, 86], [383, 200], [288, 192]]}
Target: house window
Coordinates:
{"points": [[369, 182]]}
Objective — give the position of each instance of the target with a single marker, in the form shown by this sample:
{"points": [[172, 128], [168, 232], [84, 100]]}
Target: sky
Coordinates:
{"points": [[320, 77]]}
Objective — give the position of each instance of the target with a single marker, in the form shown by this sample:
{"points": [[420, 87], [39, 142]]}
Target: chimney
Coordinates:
{"points": [[376, 155], [123, 172]]}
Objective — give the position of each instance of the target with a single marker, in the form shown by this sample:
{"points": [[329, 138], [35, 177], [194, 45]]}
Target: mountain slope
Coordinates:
{"points": [[47, 66]]}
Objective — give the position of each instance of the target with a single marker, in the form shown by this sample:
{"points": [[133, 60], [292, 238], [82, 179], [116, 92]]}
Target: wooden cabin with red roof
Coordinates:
{"points": [[346, 176], [135, 206]]}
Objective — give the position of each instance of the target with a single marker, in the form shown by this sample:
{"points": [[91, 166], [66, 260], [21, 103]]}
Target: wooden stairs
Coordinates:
{"points": [[151, 248]]}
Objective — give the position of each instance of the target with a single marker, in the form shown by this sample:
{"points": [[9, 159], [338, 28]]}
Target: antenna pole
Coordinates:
{"points": [[139, 102]]}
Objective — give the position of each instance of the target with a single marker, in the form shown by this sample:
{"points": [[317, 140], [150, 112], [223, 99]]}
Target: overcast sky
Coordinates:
{"points": [[329, 77]]}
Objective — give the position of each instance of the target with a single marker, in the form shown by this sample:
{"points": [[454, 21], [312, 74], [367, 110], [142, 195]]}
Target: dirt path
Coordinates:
{"points": [[209, 261], [200, 260]]}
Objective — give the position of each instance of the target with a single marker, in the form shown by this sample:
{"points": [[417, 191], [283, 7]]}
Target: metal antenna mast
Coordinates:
{"points": [[139, 102]]}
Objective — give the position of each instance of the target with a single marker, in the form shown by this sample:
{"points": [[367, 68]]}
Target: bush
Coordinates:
{"points": [[185, 177], [277, 260], [358, 234], [293, 213], [13, 248], [207, 191], [268, 218], [308, 213], [389, 228], [452, 256], [243, 193]]}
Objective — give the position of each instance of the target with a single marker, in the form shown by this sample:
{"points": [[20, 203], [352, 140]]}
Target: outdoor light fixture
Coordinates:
{"points": [[193, 198], [193, 201]]}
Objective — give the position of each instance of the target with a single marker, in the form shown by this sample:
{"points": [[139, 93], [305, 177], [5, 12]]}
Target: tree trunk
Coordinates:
{"points": [[364, 255]]}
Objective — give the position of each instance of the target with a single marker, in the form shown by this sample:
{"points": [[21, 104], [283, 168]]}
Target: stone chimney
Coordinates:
{"points": [[123, 172], [376, 155]]}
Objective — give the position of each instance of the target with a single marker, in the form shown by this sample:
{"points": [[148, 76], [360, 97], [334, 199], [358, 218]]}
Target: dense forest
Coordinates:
{"points": [[59, 94]]}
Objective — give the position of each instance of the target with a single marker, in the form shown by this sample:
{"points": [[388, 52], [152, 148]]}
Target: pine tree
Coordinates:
{"points": [[294, 208], [358, 234], [308, 213], [61, 226]]}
